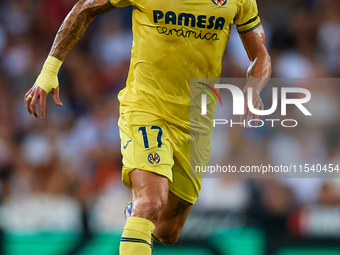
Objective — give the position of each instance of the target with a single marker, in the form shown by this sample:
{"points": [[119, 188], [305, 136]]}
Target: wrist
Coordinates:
{"points": [[257, 85], [48, 78], [52, 65]]}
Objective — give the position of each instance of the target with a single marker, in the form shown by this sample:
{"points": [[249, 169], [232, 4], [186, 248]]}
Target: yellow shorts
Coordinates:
{"points": [[149, 143]]}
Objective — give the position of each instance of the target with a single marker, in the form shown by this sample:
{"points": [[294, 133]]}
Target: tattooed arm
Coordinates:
{"points": [[260, 68], [68, 35], [75, 25]]}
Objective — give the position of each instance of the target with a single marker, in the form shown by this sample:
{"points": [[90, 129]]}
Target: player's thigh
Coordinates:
{"points": [[145, 145], [172, 219], [190, 151], [150, 194]]}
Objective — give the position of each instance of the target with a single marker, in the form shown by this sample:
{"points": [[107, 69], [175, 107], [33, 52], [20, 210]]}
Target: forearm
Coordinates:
{"points": [[260, 68], [259, 72], [75, 25]]}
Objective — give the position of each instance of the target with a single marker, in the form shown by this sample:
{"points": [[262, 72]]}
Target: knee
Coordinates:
{"points": [[148, 208]]}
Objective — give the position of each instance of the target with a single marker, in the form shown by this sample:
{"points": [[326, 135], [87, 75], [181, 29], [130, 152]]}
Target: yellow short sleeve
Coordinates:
{"points": [[247, 18], [120, 3]]}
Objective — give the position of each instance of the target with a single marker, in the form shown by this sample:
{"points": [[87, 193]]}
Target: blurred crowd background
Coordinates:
{"points": [[57, 171]]}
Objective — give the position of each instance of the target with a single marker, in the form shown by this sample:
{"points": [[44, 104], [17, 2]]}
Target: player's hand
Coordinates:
{"points": [[47, 82], [248, 115], [36, 93]]}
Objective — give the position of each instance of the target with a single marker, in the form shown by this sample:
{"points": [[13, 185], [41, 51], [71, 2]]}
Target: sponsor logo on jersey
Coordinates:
{"points": [[189, 19], [127, 143], [219, 2], [185, 20], [154, 158]]}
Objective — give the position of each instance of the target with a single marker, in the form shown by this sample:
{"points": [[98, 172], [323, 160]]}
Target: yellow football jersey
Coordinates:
{"points": [[174, 41]]}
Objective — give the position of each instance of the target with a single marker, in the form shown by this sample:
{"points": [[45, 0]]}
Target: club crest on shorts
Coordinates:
{"points": [[154, 158], [219, 2]]}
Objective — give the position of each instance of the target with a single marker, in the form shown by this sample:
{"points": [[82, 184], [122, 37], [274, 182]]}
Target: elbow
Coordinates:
{"points": [[84, 8]]}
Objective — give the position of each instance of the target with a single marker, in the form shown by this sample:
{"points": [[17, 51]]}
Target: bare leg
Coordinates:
{"points": [[153, 201], [150, 194], [172, 219]]}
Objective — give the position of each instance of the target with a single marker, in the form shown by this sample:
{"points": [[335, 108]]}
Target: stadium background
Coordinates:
{"points": [[60, 189]]}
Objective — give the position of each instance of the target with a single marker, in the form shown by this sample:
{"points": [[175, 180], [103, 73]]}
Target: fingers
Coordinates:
{"points": [[28, 99], [248, 115], [33, 105], [56, 97], [43, 96], [31, 101], [259, 106], [242, 118]]}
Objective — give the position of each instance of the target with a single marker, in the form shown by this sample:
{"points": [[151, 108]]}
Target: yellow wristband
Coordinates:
{"points": [[48, 78]]}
